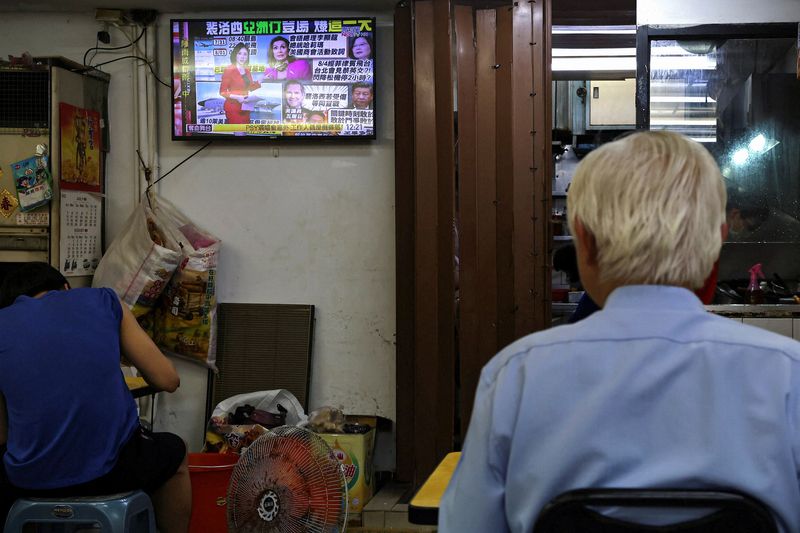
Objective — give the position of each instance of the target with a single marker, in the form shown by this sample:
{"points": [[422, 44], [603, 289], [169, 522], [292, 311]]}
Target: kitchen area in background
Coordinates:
{"points": [[593, 102], [730, 87]]}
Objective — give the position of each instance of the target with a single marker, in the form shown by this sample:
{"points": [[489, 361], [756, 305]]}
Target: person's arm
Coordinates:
{"points": [[475, 497], [3, 421], [253, 83], [226, 86], [139, 349]]}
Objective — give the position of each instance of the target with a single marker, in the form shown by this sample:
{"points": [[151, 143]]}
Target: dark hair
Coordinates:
{"points": [[353, 42], [565, 259], [271, 57], [30, 279], [362, 85], [235, 52]]}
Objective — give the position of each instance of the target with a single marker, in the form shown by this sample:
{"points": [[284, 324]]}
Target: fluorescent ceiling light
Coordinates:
{"points": [[683, 63], [594, 30], [704, 139], [673, 57], [590, 52], [594, 63], [667, 48], [682, 99], [683, 122]]}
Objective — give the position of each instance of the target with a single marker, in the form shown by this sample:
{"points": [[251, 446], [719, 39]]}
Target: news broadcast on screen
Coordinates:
{"points": [[273, 78]]}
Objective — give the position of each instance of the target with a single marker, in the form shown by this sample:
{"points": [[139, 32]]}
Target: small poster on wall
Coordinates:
{"points": [[80, 149], [33, 182], [81, 228]]}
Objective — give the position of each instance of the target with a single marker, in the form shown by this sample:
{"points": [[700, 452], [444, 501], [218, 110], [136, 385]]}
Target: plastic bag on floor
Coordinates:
{"points": [[239, 420]]}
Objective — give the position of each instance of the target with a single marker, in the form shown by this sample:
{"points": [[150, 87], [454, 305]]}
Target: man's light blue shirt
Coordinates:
{"points": [[651, 391]]}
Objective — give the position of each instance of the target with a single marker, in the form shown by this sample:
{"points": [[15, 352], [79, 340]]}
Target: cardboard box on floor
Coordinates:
{"points": [[355, 451]]}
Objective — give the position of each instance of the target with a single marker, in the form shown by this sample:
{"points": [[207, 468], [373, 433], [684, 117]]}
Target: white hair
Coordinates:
{"points": [[654, 202]]}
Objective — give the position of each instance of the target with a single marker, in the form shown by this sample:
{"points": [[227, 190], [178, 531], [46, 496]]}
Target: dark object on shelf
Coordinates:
{"points": [[269, 420], [583, 149], [724, 295], [242, 415], [734, 291], [561, 139], [247, 414], [356, 428]]}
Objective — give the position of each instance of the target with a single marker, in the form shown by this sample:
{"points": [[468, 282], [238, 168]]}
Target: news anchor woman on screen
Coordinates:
{"points": [[281, 65], [236, 84]]}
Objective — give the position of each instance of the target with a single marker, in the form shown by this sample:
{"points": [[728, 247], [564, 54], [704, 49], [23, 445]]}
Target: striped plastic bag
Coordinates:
{"points": [[140, 261]]}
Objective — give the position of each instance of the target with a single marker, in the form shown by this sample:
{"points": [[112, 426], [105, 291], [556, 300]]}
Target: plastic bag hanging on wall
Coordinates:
{"points": [[140, 261], [185, 321]]}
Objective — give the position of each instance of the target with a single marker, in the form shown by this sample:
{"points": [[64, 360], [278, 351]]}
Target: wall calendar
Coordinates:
{"points": [[81, 230]]}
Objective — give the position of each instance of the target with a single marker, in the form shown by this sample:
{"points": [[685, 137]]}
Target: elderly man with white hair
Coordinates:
{"points": [[651, 391]]}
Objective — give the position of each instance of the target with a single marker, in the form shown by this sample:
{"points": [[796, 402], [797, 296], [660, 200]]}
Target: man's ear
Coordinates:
{"points": [[587, 245]]}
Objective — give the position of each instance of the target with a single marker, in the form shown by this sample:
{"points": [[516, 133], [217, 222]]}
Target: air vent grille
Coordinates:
{"points": [[24, 100], [263, 347]]}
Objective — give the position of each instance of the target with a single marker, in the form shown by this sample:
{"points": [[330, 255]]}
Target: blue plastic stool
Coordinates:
{"points": [[129, 512]]}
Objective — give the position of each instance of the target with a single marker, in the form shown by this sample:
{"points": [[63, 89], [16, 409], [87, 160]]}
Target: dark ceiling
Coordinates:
{"points": [[594, 12]]}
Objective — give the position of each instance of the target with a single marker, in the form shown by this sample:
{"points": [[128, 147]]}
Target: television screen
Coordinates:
{"points": [[273, 78]]}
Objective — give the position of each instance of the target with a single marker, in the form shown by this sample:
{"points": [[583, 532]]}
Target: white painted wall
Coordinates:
{"points": [[70, 35], [310, 224], [716, 11]]}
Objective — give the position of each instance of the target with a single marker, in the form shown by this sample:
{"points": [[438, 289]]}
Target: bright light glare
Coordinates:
{"points": [[758, 144], [740, 156], [683, 121], [686, 62], [726, 171], [589, 52], [595, 30], [594, 63], [682, 99]]}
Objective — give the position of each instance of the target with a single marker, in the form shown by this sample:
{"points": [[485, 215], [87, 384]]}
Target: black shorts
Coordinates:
{"points": [[145, 462]]}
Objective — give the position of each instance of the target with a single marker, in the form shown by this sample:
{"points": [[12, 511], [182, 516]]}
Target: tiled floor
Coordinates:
{"points": [[388, 511]]}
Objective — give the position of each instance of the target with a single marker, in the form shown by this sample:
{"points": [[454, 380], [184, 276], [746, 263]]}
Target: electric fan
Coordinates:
{"points": [[287, 480]]}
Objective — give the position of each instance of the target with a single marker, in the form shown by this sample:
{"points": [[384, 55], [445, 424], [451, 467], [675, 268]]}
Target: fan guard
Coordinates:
{"points": [[288, 480]]}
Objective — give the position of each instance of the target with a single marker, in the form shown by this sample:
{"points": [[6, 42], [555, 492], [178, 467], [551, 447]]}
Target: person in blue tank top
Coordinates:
{"points": [[68, 424]]}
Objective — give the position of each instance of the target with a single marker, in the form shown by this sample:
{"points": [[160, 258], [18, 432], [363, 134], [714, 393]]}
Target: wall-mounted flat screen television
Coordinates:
{"points": [[273, 78]]}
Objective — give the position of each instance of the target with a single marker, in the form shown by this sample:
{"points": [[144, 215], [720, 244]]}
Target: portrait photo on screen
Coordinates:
{"points": [[273, 78]]}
